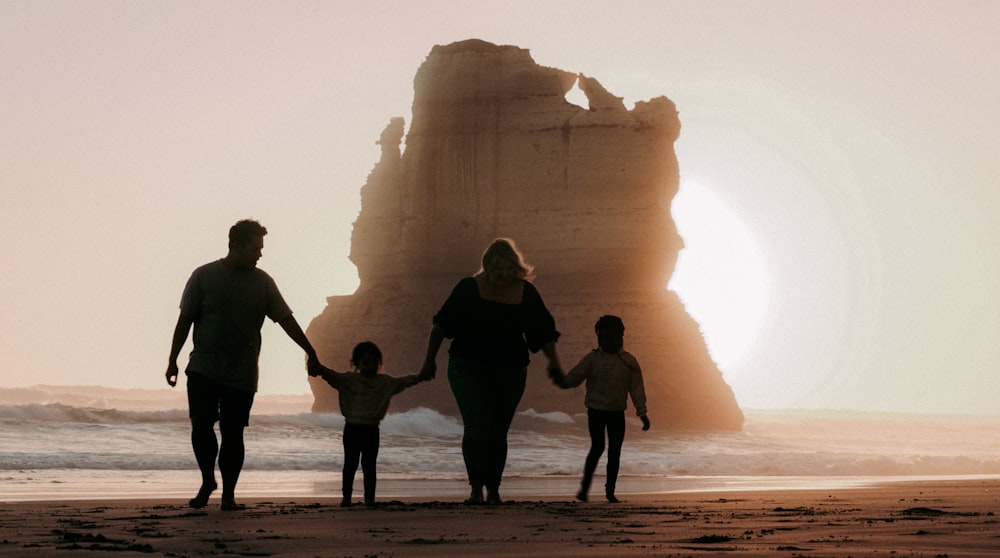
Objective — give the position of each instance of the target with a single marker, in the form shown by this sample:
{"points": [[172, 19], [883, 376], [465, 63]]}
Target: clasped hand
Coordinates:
{"points": [[555, 374], [313, 366], [428, 371]]}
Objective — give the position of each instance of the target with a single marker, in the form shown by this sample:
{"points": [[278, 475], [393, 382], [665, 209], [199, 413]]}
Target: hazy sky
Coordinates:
{"points": [[839, 164]]}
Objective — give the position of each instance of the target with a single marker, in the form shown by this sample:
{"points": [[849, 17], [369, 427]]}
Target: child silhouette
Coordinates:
{"points": [[364, 401], [612, 375]]}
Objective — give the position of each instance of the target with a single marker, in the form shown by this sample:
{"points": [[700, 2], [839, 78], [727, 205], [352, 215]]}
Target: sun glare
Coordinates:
{"points": [[720, 274]]}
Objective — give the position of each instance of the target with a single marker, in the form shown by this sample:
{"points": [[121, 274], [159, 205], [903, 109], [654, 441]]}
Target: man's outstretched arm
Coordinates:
{"points": [[291, 327]]}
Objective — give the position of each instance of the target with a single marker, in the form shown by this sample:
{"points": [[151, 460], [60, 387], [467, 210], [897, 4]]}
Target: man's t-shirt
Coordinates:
{"points": [[228, 309]]}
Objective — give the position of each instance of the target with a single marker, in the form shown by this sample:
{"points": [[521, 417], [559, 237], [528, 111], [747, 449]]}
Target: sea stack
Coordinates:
{"points": [[495, 150]]}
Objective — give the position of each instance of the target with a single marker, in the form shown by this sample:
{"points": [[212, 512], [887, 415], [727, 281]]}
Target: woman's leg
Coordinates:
{"points": [[471, 394], [508, 388]]}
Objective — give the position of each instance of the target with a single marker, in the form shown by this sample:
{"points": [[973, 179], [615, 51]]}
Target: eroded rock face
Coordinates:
{"points": [[495, 150]]}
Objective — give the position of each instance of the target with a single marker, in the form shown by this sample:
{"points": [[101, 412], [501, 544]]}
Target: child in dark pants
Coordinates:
{"points": [[364, 400], [612, 375]]}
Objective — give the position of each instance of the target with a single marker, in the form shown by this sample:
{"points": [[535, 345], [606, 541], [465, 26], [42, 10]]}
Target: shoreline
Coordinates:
{"points": [[151, 485], [957, 518]]}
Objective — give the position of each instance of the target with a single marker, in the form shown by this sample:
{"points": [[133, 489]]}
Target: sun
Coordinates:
{"points": [[720, 275]]}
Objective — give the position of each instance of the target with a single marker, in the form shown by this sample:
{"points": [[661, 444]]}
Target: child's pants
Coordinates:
{"points": [[597, 423], [360, 444]]}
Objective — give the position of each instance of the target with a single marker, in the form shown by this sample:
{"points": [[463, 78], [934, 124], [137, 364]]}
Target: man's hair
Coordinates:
{"points": [[244, 231], [505, 249], [365, 348], [609, 322]]}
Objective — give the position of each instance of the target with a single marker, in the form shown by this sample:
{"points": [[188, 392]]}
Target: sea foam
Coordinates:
{"points": [[138, 431]]}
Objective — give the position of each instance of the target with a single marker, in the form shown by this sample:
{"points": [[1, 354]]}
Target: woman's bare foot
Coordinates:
{"points": [[493, 497], [476, 498], [229, 504], [201, 500]]}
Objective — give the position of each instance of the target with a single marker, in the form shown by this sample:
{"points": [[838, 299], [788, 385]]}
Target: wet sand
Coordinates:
{"points": [[939, 518]]}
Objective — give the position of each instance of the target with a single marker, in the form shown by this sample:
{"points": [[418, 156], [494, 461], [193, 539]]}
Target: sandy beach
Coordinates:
{"points": [[938, 518]]}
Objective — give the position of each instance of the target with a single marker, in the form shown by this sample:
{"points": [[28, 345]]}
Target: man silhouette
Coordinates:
{"points": [[226, 301]]}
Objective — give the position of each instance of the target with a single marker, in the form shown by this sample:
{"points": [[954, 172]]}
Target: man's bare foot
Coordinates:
{"points": [[229, 504], [201, 500]]}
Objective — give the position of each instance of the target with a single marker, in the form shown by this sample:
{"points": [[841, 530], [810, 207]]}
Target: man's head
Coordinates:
{"points": [[246, 241], [610, 333]]}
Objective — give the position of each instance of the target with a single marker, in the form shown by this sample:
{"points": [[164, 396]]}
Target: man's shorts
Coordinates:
{"points": [[211, 401]]}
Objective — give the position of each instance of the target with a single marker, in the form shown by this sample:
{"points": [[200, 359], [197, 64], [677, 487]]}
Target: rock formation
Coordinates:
{"points": [[496, 150]]}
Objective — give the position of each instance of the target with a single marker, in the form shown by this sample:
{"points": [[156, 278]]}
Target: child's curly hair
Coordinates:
{"points": [[363, 348], [608, 321]]}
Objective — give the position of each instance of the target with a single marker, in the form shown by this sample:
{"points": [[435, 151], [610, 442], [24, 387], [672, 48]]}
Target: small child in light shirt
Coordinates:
{"points": [[612, 375], [364, 401]]}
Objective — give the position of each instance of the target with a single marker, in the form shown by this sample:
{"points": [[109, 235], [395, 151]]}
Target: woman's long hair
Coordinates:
{"points": [[505, 249]]}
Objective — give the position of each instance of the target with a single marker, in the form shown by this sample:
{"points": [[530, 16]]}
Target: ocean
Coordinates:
{"points": [[60, 443]]}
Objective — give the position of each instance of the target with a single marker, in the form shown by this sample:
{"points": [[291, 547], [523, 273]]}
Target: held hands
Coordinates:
{"points": [[313, 366], [428, 371], [321, 372], [555, 373], [645, 422]]}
